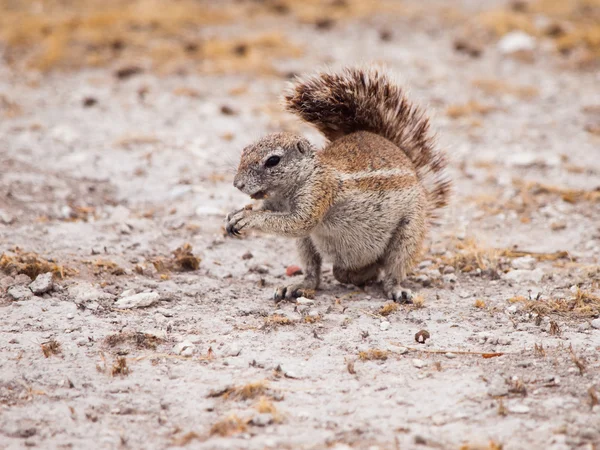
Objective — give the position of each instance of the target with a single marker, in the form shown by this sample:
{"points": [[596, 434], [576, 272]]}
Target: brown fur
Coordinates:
{"points": [[367, 100], [365, 200]]}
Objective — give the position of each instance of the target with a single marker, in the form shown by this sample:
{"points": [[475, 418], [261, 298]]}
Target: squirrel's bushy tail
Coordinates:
{"points": [[359, 99]]}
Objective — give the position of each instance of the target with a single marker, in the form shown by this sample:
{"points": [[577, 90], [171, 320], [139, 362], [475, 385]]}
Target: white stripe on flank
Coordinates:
{"points": [[384, 173]]}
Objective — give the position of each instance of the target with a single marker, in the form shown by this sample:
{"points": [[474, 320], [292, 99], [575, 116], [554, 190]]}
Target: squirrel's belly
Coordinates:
{"points": [[352, 235]]}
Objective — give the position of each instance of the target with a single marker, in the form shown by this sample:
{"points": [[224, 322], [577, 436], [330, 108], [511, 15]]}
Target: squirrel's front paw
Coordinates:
{"points": [[236, 221]]}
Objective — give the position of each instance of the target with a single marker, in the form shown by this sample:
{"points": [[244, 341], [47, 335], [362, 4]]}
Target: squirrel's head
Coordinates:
{"points": [[273, 165]]}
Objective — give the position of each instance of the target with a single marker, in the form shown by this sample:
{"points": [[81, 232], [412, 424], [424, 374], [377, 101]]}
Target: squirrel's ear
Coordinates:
{"points": [[303, 147]]}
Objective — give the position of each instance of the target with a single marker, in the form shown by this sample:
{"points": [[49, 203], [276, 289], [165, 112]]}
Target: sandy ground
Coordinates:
{"points": [[149, 167]]}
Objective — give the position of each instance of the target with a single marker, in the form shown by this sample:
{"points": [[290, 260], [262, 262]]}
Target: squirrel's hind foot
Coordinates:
{"points": [[294, 291], [400, 295]]}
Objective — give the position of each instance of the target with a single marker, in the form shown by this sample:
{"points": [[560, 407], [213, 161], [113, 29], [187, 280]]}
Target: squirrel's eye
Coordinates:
{"points": [[272, 161]]}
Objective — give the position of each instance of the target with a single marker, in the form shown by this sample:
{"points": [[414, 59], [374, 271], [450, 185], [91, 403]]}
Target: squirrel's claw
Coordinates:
{"points": [[235, 222], [290, 292], [402, 295]]}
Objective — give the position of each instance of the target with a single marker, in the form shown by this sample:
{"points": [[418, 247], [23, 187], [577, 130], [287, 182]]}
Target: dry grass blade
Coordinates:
{"points": [[539, 350], [470, 255], [186, 439], [373, 354], [418, 301], [266, 406], [120, 367], [578, 361], [229, 426], [593, 396], [245, 392], [277, 320], [31, 264], [140, 340], [183, 260], [582, 304], [101, 266], [50, 348], [388, 309]]}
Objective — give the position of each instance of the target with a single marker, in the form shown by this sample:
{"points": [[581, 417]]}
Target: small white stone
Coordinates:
{"points": [[384, 326], [6, 218], [262, 420], [449, 278], [419, 363], [19, 292], [165, 312], [232, 350], [450, 355], [141, 300], [185, 348], [304, 301], [596, 323], [504, 341], [401, 350], [516, 41], [42, 284], [523, 263], [519, 409], [520, 276]]}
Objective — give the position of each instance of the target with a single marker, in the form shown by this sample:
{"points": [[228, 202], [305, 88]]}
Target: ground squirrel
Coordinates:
{"points": [[366, 200]]}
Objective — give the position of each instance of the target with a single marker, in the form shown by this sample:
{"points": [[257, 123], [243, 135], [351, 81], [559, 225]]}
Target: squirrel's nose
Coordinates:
{"points": [[239, 184]]}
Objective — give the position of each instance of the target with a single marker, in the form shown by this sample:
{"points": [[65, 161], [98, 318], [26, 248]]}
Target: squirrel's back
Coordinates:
{"points": [[342, 104]]}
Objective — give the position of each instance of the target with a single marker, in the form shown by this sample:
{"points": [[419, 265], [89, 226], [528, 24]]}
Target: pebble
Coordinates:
{"points": [[449, 278], [516, 41], [141, 300], [304, 301], [291, 374], [450, 355], [596, 324], [232, 350], [165, 312], [401, 350], [6, 218], [521, 275], [384, 326], [504, 341], [42, 284], [127, 292], [302, 309], [523, 263], [519, 409], [19, 292], [184, 348], [262, 420], [419, 363], [423, 279], [85, 292]]}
